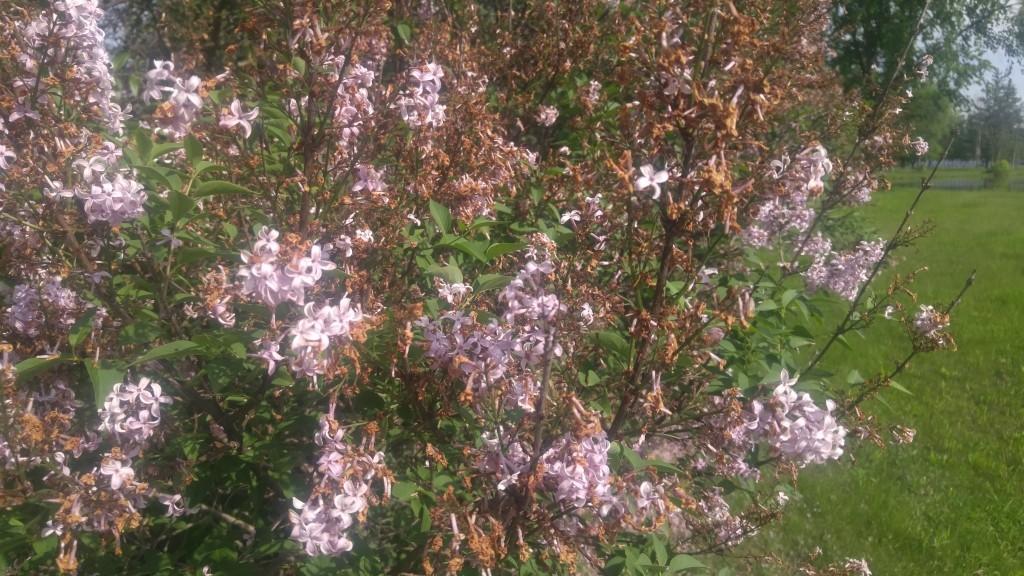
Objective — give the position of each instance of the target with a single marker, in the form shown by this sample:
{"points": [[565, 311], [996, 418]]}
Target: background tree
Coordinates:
{"points": [[869, 36], [992, 130]]}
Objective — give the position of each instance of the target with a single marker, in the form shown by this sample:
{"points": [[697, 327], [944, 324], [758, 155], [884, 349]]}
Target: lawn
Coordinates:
{"points": [[953, 501]]}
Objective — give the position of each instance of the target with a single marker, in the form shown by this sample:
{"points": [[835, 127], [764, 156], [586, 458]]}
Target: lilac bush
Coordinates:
{"points": [[431, 287]]}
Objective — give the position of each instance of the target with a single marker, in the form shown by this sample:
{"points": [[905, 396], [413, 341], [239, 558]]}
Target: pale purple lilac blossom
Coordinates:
{"points": [[419, 104], [919, 146], [345, 473], [844, 273], [649, 178], [790, 212], [499, 357], [547, 115], [131, 413], [795, 427], [235, 116]]}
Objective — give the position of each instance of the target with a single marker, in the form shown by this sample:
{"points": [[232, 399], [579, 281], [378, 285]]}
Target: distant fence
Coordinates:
{"points": [[957, 163]]}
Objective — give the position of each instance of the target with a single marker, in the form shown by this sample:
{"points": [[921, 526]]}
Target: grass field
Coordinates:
{"points": [[951, 503]]}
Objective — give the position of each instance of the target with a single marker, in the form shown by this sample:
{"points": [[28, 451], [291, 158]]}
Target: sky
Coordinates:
{"points": [[1002, 63]]}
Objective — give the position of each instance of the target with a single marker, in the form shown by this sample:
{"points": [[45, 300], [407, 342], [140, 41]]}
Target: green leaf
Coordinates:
{"points": [[443, 481], [82, 328], [660, 551], [104, 375], [161, 149], [441, 215], [854, 377], [474, 249], [502, 248], [788, 296], [174, 349], [450, 273], [897, 386], [404, 491], [299, 65], [214, 187], [181, 205], [159, 176], [486, 282], [204, 165], [193, 150], [404, 32], [634, 459], [613, 341], [144, 146], [682, 562], [29, 367]]}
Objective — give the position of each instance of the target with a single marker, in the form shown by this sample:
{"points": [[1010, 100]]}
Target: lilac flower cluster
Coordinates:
{"points": [[311, 335], [184, 102], [101, 501], [723, 440], [275, 279], [53, 406], [574, 470], [919, 146], [43, 307], [719, 523], [69, 36], [497, 358], [927, 329], [795, 427], [800, 181], [342, 494], [419, 104], [547, 115], [272, 276], [109, 496], [112, 199], [352, 107], [844, 273], [131, 413], [76, 24], [578, 471]]}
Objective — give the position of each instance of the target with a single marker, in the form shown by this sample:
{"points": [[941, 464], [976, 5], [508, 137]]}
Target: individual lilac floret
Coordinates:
{"points": [[795, 427], [649, 178], [235, 116], [131, 412], [369, 184]]}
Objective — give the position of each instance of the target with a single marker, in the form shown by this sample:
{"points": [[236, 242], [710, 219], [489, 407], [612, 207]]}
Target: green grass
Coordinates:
{"points": [[953, 501]]}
